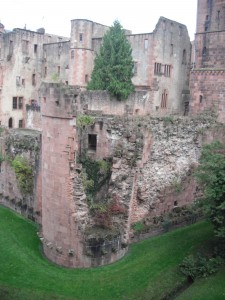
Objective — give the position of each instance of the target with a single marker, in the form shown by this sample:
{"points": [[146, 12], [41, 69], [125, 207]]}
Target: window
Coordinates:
{"points": [[135, 68], [23, 82], [44, 99], [20, 103], [35, 48], [14, 104], [200, 98], [45, 71], [17, 80], [58, 70], [184, 57], [180, 31], [17, 103], [157, 69], [33, 79], [20, 123], [25, 46], [10, 123], [81, 37], [72, 54], [146, 44], [167, 70], [204, 51], [164, 99], [92, 142], [66, 82], [10, 47], [86, 78]]}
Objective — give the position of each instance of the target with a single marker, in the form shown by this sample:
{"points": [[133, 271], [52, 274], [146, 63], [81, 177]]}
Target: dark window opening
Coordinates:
{"points": [[45, 71], [86, 78], [66, 82], [35, 48], [44, 99], [81, 37], [184, 57], [14, 104], [10, 123], [20, 123], [157, 69], [200, 98], [164, 99], [175, 203], [204, 51], [23, 82], [33, 79], [20, 103], [92, 142], [72, 54], [58, 70], [167, 70]]}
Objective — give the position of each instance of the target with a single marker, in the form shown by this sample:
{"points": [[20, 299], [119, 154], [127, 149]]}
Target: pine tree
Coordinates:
{"points": [[113, 66]]}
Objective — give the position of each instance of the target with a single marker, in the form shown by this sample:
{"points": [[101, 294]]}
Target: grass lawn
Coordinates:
{"points": [[149, 271], [210, 288]]}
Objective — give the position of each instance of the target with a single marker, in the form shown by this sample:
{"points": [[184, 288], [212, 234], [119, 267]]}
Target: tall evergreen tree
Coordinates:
{"points": [[113, 66]]}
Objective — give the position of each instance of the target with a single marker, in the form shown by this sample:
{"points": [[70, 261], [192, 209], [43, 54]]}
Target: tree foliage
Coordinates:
{"points": [[211, 173], [113, 66]]}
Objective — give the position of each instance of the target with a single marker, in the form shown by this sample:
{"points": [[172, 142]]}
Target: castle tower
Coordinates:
{"points": [[207, 80], [85, 35]]}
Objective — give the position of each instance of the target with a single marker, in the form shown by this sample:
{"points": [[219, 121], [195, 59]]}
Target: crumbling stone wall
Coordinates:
{"points": [[25, 144]]}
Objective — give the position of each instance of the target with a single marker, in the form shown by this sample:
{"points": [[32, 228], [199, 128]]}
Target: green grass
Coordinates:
{"points": [[149, 271], [210, 288]]}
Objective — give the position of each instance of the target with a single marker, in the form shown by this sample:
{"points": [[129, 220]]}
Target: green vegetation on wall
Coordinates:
{"points": [[94, 175], [85, 120], [24, 174]]}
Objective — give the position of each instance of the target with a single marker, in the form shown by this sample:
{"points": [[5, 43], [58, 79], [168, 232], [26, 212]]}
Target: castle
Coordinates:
{"points": [[141, 147]]}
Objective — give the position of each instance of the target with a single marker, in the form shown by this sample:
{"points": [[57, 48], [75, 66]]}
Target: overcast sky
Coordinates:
{"points": [[140, 16]]}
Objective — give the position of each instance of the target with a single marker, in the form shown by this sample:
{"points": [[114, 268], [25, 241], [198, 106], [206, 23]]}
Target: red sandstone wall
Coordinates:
{"points": [[211, 86]]}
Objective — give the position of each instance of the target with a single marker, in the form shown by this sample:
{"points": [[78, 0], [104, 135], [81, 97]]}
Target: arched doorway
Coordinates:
{"points": [[10, 123]]}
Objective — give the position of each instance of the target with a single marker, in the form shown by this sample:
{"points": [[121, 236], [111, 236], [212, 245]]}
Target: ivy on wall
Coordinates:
{"points": [[24, 174]]}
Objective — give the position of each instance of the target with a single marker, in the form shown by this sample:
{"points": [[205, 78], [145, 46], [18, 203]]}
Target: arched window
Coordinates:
{"points": [[184, 57], [164, 98], [204, 51], [10, 123]]}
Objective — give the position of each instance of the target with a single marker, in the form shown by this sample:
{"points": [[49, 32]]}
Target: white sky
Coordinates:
{"points": [[140, 16]]}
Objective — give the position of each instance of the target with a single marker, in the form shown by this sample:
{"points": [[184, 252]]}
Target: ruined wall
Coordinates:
{"points": [[207, 91], [23, 144], [207, 76], [22, 59], [172, 50], [138, 103]]}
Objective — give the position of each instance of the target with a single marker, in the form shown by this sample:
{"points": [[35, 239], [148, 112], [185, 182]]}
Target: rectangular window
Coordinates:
{"points": [[167, 70], [25, 47], [35, 48], [81, 37], [14, 104], [157, 69], [20, 103], [33, 79], [17, 80], [20, 123], [23, 82], [86, 78], [58, 70], [92, 142], [146, 44], [45, 71]]}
